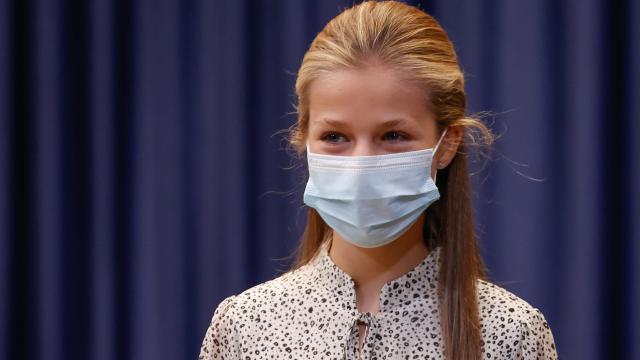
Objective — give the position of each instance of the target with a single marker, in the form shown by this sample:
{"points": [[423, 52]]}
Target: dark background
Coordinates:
{"points": [[142, 178]]}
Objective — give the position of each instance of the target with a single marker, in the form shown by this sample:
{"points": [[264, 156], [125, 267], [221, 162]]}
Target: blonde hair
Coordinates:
{"points": [[412, 42]]}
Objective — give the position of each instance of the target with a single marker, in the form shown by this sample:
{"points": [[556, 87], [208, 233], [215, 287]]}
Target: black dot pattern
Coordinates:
{"points": [[310, 313]]}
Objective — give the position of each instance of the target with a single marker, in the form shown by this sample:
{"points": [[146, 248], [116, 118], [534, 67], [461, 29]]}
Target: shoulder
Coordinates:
{"points": [[220, 340], [496, 301], [512, 326], [237, 312], [282, 289]]}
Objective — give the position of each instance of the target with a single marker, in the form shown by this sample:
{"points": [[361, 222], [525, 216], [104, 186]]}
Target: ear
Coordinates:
{"points": [[448, 148]]}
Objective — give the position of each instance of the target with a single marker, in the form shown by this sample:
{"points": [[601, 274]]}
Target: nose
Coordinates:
{"points": [[364, 148]]}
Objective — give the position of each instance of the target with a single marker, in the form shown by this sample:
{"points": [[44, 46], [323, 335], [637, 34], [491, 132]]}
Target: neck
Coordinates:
{"points": [[371, 268]]}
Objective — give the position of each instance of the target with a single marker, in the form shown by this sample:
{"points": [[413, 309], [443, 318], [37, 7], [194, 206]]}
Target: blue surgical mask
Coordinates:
{"points": [[371, 200]]}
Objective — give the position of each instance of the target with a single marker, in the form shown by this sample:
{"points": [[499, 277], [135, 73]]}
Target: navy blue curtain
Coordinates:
{"points": [[143, 177]]}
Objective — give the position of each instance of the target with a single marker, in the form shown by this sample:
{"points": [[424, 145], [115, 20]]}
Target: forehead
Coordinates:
{"points": [[371, 92]]}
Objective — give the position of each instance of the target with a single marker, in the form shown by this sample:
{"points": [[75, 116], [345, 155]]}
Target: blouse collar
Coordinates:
{"points": [[419, 282]]}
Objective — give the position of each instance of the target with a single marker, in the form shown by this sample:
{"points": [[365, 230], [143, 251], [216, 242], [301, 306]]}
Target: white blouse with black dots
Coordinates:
{"points": [[310, 313]]}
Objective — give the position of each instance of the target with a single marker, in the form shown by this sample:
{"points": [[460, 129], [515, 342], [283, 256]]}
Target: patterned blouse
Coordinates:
{"points": [[310, 313]]}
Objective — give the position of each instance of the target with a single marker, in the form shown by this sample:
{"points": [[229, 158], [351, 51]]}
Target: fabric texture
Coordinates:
{"points": [[311, 313]]}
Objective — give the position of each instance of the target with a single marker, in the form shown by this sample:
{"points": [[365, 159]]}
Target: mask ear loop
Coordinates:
{"points": [[436, 149]]}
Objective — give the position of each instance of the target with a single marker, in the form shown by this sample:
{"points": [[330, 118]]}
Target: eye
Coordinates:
{"points": [[333, 137], [394, 136]]}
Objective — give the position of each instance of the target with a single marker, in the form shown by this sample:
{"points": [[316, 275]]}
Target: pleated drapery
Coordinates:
{"points": [[143, 177]]}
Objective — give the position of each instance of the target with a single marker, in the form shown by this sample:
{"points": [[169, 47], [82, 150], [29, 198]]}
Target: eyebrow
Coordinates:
{"points": [[395, 122], [385, 123], [333, 122]]}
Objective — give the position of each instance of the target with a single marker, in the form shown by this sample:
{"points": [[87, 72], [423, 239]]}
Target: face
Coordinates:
{"points": [[370, 111]]}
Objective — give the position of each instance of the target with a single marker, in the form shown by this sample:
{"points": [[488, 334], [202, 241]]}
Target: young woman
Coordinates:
{"points": [[388, 266]]}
